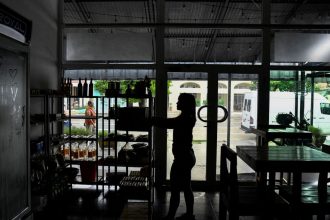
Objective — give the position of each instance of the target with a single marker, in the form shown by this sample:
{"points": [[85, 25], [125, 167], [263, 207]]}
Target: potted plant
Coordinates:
{"points": [[318, 137], [108, 140]]}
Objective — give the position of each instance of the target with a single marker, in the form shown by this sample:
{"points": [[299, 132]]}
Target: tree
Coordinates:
{"points": [[287, 86], [102, 85]]}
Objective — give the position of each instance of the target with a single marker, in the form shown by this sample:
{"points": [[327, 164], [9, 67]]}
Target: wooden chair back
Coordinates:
{"points": [[228, 177]]}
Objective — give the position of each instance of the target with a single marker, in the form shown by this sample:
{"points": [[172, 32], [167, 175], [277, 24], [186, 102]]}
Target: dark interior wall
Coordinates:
{"points": [[43, 49]]}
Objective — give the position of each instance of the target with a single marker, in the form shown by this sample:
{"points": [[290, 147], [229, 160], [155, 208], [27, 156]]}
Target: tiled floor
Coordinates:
{"points": [[206, 205], [88, 205]]}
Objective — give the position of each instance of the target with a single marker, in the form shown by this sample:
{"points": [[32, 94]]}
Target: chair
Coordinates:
{"points": [[241, 199], [312, 200]]}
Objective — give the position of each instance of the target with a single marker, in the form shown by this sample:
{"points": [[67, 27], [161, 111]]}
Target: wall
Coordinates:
{"points": [[103, 46], [43, 50]]}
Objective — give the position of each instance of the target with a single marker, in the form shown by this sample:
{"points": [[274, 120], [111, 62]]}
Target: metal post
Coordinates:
{"points": [[160, 137], [302, 97], [263, 90], [211, 145], [312, 98]]}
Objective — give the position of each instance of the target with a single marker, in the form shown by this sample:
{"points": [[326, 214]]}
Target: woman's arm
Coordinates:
{"points": [[165, 122]]}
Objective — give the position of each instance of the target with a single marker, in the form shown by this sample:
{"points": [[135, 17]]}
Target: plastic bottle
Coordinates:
{"points": [[85, 88], [90, 88], [80, 88]]}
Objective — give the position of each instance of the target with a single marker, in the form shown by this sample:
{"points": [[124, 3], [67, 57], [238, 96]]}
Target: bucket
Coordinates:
{"points": [[88, 171]]}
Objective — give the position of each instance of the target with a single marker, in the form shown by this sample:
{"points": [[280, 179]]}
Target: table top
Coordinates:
{"points": [[282, 133], [284, 158]]}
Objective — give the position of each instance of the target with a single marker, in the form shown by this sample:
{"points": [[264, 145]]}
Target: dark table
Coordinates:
{"points": [[270, 134], [295, 159]]}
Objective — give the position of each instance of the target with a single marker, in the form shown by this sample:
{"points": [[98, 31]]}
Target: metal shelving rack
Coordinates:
{"points": [[114, 127], [49, 118], [92, 164], [111, 147]]}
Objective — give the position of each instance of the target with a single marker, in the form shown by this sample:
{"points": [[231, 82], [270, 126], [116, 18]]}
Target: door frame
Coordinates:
{"points": [[212, 97]]}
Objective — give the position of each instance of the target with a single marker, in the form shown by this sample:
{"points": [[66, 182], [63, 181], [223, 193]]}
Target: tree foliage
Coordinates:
{"points": [[102, 85], [287, 86]]}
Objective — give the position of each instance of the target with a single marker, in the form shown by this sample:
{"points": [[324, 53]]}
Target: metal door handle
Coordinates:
{"points": [[218, 121]]}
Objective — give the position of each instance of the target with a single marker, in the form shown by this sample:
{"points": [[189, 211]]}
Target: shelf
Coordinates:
{"points": [[123, 140], [126, 96], [81, 139], [130, 96], [81, 117], [84, 97], [66, 136], [112, 162], [80, 161], [123, 128], [110, 118], [126, 141], [135, 187], [79, 181]]}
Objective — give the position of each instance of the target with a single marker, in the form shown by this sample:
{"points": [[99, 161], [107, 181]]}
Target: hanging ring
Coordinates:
{"points": [[218, 121]]}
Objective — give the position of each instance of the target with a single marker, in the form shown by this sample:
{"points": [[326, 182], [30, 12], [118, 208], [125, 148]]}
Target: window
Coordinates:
{"points": [[249, 105], [243, 86], [245, 103], [190, 85], [325, 108], [222, 86]]}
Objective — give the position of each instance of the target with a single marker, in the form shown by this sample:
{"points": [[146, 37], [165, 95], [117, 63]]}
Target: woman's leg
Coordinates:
{"points": [[189, 198], [175, 190], [188, 193]]}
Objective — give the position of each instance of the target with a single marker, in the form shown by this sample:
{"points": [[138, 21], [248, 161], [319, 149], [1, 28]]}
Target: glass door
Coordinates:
{"points": [[318, 109], [238, 94], [229, 90], [195, 84]]}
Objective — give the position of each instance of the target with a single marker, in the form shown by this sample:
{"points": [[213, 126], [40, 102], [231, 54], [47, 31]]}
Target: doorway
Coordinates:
{"points": [[228, 90]]}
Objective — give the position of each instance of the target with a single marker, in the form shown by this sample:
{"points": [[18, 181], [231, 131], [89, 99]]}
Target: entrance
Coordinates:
{"points": [[211, 90]]}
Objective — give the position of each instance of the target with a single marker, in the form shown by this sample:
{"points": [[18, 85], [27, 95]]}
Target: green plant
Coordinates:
{"points": [[198, 141], [104, 133], [318, 136], [198, 102], [76, 131]]}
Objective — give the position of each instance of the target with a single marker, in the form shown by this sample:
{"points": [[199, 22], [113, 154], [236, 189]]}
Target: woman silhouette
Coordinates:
{"points": [[184, 157]]}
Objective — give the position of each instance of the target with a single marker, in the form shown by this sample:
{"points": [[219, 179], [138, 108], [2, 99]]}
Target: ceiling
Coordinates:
{"points": [[190, 43]]}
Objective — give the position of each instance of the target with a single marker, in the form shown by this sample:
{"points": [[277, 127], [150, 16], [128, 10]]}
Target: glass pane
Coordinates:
{"points": [[300, 12], [321, 103], [109, 45], [291, 93], [94, 12], [284, 96], [247, 12], [226, 46], [110, 74], [243, 113], [199, 89], [302, 47]]}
